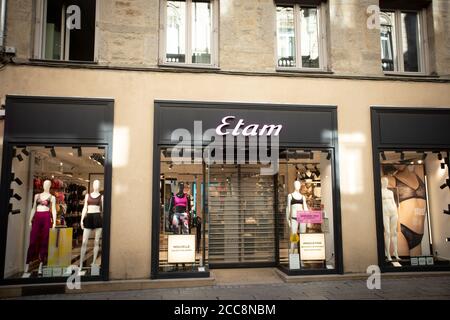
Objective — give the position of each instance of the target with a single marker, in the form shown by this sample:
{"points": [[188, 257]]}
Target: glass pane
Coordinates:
{"points": [[53, 44], [309, 38], [176, 31], [387, 37], [413, 193], [410, 32], [305, 210], [201, 32], [182, 227], [55, 224], [285, 37]]}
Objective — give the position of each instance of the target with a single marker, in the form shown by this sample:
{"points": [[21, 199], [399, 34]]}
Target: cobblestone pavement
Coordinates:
{"points": [[421, 288]]}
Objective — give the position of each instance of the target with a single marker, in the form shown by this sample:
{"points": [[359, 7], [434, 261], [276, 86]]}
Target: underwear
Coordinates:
{"points": [[296, 201], [45, 203], [413, 238], [93, 220], [182, 202], [405, 192]]}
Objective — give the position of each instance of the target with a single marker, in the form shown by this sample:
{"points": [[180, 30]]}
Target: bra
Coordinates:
{"points": [[45, 203], [94, 201], [296, 201], [405, 192], [180, 202]]}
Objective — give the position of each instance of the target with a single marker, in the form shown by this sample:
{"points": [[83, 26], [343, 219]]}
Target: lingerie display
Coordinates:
{"points": [[180, 206], [405, 192], [93, 220]]}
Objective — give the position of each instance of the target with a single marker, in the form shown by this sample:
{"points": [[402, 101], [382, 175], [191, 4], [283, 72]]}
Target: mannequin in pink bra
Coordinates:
{"points": [[179, 209]]}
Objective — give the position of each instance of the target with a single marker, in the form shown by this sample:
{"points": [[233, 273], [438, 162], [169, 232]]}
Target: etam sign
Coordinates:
{"points": [[251, 130]]}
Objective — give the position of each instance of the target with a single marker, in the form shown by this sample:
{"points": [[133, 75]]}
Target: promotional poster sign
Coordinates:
{"points": [[181, 248], [312, 246], [309, 216]]}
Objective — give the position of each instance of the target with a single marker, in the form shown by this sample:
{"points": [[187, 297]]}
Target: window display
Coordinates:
{"points": [[56, 206], [217, 215], [305, 209], [181, 241], [414, 194]]}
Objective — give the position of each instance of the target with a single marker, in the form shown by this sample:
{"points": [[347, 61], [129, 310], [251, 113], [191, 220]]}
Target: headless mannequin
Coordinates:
{"points": [[291, 212], [41, 197], [180, 211], [91, 209], [390, 219]]}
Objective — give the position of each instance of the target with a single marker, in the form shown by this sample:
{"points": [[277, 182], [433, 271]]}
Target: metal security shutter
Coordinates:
{"points": [[241, 211]]}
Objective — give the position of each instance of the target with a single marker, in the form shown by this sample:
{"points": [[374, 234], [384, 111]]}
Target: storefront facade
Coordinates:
{"points": [[49, 166], [412, 178], [136, 150], [242, 216], [126, 99]]}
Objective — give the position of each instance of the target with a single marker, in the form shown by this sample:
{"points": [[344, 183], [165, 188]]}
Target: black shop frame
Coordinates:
{"points": [[66, 122], [304, 126], [405, 129]]}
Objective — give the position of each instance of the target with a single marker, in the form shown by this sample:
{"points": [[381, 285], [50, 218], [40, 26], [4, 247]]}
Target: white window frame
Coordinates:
{"points": [[40, 33], [188, 49], [322, 41], [399, 65]]}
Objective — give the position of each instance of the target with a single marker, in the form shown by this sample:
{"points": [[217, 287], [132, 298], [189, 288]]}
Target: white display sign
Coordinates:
{"points": [[294, 261], [181, 248], [312, 246]]}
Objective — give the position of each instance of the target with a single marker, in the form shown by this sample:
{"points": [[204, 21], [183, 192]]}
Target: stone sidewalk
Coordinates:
{"points": [[420, 288]]}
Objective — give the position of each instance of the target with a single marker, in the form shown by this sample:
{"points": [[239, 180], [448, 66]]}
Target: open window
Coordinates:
{"points": [[65, 30]]}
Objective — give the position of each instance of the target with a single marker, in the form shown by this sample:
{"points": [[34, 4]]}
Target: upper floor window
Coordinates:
{"points": [[300, 37], [189, 32], [65, 30], [403, 41]]}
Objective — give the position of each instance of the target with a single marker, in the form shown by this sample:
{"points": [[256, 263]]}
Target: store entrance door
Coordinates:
{"points": [[241, 205]]}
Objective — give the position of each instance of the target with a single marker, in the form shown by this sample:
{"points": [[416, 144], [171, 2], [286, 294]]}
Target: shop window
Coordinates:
{"points": [[300, 37], [215, 215], [56, 212], [182, 230], [189, 36], [415, 207], [402, 41], [305, 210], [65, 30]]}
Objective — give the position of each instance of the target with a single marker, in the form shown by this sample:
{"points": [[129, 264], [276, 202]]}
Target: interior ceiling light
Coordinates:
{"points": [[25, 152], [17, 197], [52, 151], [79, 151]]}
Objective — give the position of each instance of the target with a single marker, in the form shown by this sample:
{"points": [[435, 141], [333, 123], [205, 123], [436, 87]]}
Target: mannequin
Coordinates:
{"points": [[412, 207], [91, 219], [295, 202], [390, 219], [43, 217], [180, 206]]}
